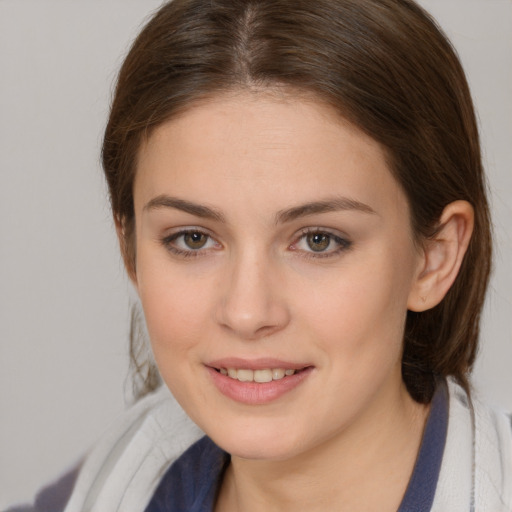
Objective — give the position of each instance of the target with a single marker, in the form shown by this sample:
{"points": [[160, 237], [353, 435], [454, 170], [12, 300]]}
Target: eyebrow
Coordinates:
{"points": [[330, 205], [165, 201], [283, 216]]}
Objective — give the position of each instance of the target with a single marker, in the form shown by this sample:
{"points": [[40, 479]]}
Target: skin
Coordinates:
{"points": [[347, 436]]}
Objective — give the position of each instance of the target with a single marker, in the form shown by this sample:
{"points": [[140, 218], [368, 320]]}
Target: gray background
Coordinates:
{"points": [[64, 298]]}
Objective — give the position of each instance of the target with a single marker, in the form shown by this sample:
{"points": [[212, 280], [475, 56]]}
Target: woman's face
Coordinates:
{"points": [[272, 239]]}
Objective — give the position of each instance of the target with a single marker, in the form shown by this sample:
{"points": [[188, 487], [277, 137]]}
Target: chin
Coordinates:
{"points": [[257, 443], [259, 451]]}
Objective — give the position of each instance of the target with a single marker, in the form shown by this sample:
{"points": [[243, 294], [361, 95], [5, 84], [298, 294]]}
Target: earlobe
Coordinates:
{"points": [[442, 256]]}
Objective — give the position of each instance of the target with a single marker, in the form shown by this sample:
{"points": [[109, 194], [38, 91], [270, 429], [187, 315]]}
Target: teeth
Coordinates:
{"points": [[278, 373], [261, 376], [245, 375]]}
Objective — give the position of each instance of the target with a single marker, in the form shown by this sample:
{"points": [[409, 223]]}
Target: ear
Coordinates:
{"points": [[125, 239], [442, 256]]}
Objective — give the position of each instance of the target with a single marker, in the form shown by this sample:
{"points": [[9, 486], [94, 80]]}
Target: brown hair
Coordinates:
{"points": [[382, 64]]}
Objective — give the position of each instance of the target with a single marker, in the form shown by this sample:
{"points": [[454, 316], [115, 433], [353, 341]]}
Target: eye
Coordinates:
{"points": [[195, 240], [320, 243], [190, 242]]}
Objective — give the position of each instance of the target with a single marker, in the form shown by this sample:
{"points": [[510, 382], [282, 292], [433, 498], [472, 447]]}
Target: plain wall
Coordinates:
{"points": [[64, 300]]}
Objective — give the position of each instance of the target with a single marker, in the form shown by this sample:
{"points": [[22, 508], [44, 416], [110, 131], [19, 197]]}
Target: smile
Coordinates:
{"points": [[261, 376], [266, 381]]}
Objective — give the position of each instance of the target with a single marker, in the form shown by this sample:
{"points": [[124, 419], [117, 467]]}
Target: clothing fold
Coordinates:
{"points": [[123, 470]]}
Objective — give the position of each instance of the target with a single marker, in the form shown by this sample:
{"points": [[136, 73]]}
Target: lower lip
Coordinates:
{"points": [[254, 393]]}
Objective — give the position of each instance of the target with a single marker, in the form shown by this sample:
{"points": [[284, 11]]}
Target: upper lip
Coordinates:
{"points": [[255, 364]]}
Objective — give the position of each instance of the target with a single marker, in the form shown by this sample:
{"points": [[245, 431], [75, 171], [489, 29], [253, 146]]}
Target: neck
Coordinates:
{"points": [[367, 466]]}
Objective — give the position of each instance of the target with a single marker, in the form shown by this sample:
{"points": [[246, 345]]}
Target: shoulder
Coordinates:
{"points": [[124, 467], [476, 472], [123, 470], [493, 456]]}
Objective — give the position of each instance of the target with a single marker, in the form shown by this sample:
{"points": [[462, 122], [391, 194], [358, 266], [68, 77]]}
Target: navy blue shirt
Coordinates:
{"points": [[191, 484]]}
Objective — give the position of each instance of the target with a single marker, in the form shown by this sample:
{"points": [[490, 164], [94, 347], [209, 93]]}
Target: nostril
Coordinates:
{"points": [[250, 303]]}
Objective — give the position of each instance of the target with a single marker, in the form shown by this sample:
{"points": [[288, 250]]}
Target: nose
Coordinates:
{"points": [[252, 301]]}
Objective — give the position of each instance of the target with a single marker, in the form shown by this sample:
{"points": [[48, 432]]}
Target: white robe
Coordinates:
{"points": [[123, 470]]}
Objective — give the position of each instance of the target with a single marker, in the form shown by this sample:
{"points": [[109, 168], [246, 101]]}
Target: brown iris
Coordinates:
{"points": [[318, 241], [195, 240]]}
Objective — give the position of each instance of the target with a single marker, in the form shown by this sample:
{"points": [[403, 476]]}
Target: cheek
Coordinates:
{"points": [[176, 308], [175, 320], [360, 312]]}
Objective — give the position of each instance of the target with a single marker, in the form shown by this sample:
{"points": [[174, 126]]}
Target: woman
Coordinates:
{"points": [[300, 202]]}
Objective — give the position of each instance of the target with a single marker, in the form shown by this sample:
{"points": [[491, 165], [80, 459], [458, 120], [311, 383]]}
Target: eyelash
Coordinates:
{"points": [[167, 242], [343, 243]]}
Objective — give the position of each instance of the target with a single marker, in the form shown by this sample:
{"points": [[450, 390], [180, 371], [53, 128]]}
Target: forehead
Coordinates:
{"points": [[252, 145]]}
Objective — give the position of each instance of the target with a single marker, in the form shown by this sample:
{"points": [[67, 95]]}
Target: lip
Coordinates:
{"points": [[253, 393], [256, 364]]}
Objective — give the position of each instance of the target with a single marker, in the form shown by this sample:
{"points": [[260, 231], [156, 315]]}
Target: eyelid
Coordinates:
{"points": [[167, 242], [342, 240]]}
